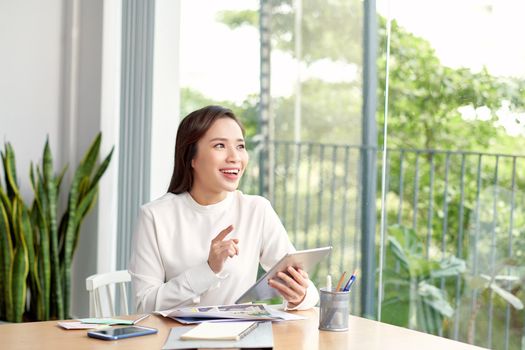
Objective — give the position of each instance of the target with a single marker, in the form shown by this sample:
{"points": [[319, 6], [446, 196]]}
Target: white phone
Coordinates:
{"points": [[120, 333]]}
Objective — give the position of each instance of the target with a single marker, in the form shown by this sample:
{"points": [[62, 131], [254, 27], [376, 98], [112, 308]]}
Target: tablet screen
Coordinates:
{"points": [[304, 259]]}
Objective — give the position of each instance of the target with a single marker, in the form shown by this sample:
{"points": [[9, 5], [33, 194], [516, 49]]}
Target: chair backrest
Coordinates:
{"points": [[103, 283]]}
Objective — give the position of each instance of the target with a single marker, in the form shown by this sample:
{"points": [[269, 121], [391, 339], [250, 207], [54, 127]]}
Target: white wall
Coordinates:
{"points": [[50, 64], [60, 76], [30, 83]]}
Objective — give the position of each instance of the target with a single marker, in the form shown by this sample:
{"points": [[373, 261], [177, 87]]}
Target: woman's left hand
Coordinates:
{"points": [[292, 286]]}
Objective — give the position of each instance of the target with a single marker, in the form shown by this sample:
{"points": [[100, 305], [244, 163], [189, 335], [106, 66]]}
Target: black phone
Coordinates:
{"points": [[120, 333]]}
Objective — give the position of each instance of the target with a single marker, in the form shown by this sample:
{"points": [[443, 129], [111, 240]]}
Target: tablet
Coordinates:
{"points": [[303, 259]]}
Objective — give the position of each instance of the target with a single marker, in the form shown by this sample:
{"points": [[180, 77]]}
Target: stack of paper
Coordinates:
{"points": [[227, 313]]}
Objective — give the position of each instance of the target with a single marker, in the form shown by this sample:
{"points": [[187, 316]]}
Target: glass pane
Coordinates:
{"points": [[454, 242], [315, 129], [219, 62], [219, 58], [294, 68]]}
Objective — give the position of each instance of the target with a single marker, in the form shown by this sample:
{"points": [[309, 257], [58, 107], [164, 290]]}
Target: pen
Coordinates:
{"points": [[350, 282], [247, 330], [329, 283], [143, 317], [340, 282]]}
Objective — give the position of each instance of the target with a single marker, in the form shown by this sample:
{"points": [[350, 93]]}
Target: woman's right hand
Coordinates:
{"points": [[221, 249]]}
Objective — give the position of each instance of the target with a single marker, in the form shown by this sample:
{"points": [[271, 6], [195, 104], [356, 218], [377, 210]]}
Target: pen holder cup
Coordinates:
{"points": [[334, 310]]}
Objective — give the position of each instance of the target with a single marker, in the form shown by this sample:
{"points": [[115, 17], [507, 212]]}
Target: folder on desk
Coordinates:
{"points": [[260, 337], [106, 321]]}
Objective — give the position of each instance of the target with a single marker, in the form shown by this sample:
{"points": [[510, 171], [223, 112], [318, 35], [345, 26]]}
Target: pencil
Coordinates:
{"points": [[340, 282]]}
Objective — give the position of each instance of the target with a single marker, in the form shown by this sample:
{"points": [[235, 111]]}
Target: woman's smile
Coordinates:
{"points": [[231, 173]]}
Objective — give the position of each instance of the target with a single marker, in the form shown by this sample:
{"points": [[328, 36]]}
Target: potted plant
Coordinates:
{"points": [[36, 243]]}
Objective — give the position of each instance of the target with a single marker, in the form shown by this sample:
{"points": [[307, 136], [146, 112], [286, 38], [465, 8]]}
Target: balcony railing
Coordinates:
{"points": [[464, 204]]}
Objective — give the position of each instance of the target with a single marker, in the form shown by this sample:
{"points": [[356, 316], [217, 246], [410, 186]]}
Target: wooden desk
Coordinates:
{"points": [[362, 334]]}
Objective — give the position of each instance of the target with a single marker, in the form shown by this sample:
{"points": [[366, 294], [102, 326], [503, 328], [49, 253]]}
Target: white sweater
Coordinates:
{"points": [[171, 244]]}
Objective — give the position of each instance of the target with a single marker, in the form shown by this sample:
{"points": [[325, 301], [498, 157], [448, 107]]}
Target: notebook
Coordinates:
{"points": [[260, 338], [219, 331]]}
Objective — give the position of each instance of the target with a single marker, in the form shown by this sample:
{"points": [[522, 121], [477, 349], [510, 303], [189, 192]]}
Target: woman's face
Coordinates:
{"points": [[220, 161]]}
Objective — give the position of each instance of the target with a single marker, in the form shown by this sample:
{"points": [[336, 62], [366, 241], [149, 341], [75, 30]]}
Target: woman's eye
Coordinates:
{"points": [[219, 145], [241, 146]]}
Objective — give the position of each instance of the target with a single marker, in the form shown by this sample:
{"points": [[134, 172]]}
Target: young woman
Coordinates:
{"points": [[201, 243]]}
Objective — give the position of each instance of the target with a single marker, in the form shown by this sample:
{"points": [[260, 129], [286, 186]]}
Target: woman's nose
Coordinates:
{"points": [[233, 155]]}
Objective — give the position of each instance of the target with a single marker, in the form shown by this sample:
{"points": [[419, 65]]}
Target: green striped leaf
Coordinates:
{"points": [[19, 271], [90, 158], [19, 268], [6, 248], [10, 171], [51, 193], [101, 169], [27, 232]]}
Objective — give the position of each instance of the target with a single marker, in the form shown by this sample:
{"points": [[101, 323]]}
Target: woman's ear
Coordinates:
{"points": [[193, 153]]}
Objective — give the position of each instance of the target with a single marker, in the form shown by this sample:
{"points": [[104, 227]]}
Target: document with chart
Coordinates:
{"points": [[252, 312]]}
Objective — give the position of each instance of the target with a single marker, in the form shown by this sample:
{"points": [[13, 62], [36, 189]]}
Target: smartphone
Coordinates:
{"points": [[120, 333]]}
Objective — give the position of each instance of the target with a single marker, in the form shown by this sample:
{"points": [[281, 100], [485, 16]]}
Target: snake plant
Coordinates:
{"points": [[36, 243], [15, 243]]}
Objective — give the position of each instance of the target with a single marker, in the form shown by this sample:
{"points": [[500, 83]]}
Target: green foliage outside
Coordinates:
{"points": [[192, 100], [464, 201], [323, 103], [451, 203], [425, 95], [413, 296]]}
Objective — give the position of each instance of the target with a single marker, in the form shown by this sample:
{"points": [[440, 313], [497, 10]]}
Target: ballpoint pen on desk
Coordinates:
{"points": [[340, 283], [140, 318], [350, 282]]}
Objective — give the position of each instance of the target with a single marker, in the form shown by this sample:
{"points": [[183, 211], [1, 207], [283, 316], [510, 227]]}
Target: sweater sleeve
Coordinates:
{"points": [[275, 244], [152, 291]]}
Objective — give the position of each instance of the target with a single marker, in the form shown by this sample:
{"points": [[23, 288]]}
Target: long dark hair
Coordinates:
{"points": [[191, 129]]}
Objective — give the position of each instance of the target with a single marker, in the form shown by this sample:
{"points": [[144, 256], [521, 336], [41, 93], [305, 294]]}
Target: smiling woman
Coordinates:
{"points": [[210, 128], [202, 242], [219, 163]]}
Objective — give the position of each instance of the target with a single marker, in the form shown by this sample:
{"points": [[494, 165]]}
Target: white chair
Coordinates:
{"points": [[95, 285]]}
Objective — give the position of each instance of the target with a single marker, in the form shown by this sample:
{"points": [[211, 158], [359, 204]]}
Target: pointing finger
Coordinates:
{"points": [[223, 234]]}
